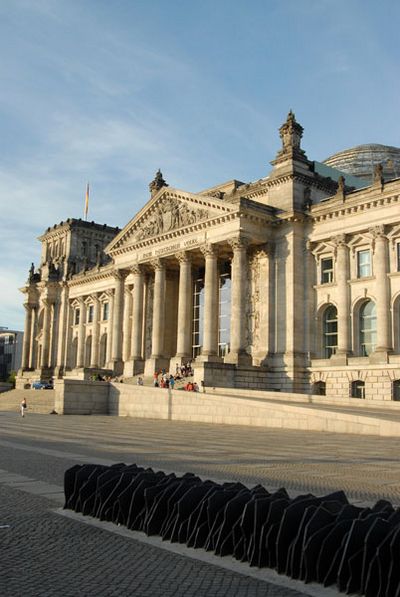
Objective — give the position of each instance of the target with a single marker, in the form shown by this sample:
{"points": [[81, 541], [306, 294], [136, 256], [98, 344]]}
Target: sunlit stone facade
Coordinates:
{"points": [[289, 283]]}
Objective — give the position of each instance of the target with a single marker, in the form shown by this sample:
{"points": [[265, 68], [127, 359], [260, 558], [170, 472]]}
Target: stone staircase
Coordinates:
{"points": [[38, 401]]}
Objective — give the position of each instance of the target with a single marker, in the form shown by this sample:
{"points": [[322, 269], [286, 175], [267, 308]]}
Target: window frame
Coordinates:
{"points": [[361, 265], [329, 272]]}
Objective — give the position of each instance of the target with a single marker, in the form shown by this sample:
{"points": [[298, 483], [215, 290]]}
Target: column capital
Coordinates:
{"points": [[209, 250], [136, 270], [157, 264], [120, 274], [378, 232], [339, 240], [184, 257], [239, 243]]}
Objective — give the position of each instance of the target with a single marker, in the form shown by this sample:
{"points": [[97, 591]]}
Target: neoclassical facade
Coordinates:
{"points": [[288, 283]]}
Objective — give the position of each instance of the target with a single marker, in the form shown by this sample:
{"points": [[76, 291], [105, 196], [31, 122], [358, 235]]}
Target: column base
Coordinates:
{"points": [[117, 366], [178, 360], [340, 358], [155, 364], [58, 372], [380, 356], [208, 358], [133, 367], [238, 358]]}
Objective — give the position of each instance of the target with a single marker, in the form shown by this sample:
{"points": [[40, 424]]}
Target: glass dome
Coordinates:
{"points": [[360, 161]]}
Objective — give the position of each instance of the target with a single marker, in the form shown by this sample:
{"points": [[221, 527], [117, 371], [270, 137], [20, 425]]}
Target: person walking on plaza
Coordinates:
{"points": [[23, 407]]}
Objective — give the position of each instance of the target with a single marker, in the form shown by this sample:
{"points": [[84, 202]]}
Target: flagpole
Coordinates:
{"points": [[85, 213]]}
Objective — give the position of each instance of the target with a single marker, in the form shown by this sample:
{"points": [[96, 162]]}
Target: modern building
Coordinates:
{"points": [[288, 283], [10, 351]]}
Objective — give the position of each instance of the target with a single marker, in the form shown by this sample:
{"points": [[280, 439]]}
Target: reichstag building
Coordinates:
{"points": [[289, 283]]}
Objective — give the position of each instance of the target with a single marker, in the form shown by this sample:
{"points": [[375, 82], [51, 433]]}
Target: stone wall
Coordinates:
{"points": [[78, 397]]}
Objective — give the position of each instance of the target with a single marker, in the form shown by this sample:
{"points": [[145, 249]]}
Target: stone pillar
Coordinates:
{"points": [[33, 332], [237, 353], [110, 329], [26, 346], [116, 344], [137, 313], [80, 361], [343, 303], [380, 265], [157, 360], [127, 325], [44, 362], [211, 311], [185, 299], [134, 365], [62, 330], [94, 361], [157, 338]]}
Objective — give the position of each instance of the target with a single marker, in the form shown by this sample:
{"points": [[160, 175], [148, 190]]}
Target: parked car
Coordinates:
{"points": [[42, 385]]}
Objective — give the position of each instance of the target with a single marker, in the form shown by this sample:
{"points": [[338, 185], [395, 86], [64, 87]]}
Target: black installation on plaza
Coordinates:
{"points": [[315, 539]]}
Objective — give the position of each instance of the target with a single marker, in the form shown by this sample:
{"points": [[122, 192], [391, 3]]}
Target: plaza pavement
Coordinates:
{"points": [[47, 553]]}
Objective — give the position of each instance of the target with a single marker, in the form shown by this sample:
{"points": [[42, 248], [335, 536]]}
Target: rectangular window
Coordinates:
{"points": [[77, 316], [105, 311], [327, 270], [398, 256], [363, 263], [90, 313]]}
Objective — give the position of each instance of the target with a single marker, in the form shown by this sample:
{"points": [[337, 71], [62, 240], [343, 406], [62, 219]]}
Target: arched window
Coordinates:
{"points": [[88, 351], [103, 350], [396, 390], [367, 321], [329, 331], [319, 388], [358, 389]]}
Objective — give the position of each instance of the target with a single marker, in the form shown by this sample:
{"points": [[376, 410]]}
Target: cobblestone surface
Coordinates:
{"points": [[43, 554], [367, 468]]}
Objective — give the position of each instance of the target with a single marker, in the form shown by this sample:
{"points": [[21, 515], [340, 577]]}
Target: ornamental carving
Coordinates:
{"points": [[209, 250], [377, 232], [136, 270], [238, 243], [168, 215], [183, 257]]}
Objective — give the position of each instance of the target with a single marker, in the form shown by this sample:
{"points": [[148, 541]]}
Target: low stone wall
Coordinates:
{"points": [[259, 409], [229, 407], [78, 397]]}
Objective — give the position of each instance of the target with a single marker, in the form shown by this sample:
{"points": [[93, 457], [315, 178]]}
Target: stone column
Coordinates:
{"points": [[134, 364], [62, 329], [343, 304], [110, 329], [44, 363], [237, 353], [33, 332], [80, 361], [94, 361], [116, 345], [127, 325], [211, 311], [185, 298], [157, 337], [137, 313], [380, 265], [26, 346]]}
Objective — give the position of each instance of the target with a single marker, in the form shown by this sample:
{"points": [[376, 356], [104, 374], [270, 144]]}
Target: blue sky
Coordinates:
{"points": [[108, 91]]}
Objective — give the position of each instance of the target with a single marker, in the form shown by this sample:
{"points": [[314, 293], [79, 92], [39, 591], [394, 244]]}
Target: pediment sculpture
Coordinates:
{"points": [[169, 215]]}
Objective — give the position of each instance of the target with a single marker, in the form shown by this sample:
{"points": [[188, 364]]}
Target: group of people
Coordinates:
{"points": [[164, 379]]}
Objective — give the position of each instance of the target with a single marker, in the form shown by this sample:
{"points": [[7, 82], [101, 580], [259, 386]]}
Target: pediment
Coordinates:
{"points": [[169, 211]]}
